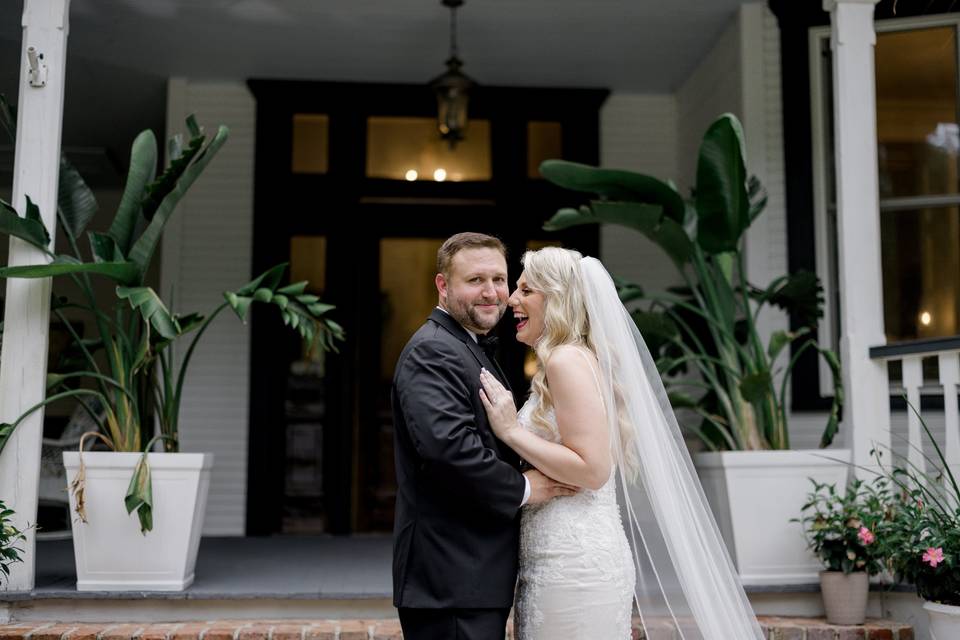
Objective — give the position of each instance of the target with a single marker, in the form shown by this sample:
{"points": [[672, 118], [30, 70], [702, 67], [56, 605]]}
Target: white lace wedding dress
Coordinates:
{"points": [[577, 576]]}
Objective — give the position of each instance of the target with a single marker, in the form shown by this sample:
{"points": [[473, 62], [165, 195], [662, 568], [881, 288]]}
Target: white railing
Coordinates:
{"points": [[911, 355]]}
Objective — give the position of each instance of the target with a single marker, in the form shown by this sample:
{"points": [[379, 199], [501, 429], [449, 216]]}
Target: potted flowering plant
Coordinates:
{"points": [[841, 529], [921, 542]]}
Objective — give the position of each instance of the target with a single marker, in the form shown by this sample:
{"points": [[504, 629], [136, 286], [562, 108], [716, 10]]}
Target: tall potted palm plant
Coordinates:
{"points": [[729, 381], [139, 512]]}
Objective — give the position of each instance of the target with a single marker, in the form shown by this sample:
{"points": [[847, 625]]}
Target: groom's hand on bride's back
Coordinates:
{"points": [[543, 488]]}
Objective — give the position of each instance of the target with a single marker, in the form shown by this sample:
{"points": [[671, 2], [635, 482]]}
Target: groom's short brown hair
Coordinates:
{"points": [[466, 240]]}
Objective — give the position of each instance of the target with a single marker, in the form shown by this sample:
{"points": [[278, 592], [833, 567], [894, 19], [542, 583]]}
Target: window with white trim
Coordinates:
{"points": [[917, 148]]}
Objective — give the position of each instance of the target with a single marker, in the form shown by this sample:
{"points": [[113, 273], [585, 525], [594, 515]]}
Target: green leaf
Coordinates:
{"points": [[121, 272], [648, 219], [319, 308], [294, 289], [239, 304], [269, 279], [193, 127], [681, 400], [6, 430], [152, 309], [568, 217], [139, 496], [143, 166], [615, 184], [836, 407], [673, 239], [75, 200], [142, 250], [29, 229], [157, 190], [780, 339], [799, 294], [104, 248], [627, 291], [754, 386], [723, 207], [125, 273], [652, 324]]}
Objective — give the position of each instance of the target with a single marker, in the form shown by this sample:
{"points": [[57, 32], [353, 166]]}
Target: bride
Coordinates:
{"points": [[640, 531]]}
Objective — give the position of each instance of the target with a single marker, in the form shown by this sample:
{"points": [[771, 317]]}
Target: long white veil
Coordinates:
{"points": [[686, 583]]}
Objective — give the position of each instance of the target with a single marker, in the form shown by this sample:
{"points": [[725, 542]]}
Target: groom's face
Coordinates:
{"points": [[475, 290]]}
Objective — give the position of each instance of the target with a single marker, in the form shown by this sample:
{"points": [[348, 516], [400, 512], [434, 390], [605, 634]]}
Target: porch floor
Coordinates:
{"points": [[320, 583], [319, 567]]}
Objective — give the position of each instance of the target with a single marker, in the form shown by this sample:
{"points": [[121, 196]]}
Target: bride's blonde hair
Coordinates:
{"points": [[555, 273]]}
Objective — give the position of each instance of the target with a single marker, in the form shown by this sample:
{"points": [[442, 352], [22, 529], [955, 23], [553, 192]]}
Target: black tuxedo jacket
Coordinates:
{"points": [[456, 530]]}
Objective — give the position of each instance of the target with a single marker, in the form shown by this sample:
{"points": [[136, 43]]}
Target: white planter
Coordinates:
{"points": [[944, 621], [110, 551], [754, 494]]}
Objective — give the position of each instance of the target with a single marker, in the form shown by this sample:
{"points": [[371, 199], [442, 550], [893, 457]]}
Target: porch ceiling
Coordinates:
{"points": [[121, 51]]}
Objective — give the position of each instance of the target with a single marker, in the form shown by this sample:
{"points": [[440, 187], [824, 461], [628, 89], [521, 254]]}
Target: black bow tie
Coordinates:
{"points": [[489, 344]]}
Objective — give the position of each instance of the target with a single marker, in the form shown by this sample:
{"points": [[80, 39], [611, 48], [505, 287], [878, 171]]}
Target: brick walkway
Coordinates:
{"points": [[774, 629]]}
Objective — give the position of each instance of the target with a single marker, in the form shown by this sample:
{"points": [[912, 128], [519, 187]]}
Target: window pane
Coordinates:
{"points": [[411, 149], [544, 141], [921, 272], [304, 498], [308, 261], [917, 111], [310, 143], [408, 295]]}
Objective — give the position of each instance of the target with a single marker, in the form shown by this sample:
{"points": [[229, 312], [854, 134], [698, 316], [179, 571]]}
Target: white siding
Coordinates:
{"points": [[206, 251], [713, 88], [638, 132]]}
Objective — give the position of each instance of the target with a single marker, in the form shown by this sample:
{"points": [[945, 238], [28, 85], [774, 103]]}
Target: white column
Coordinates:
{"points": [[866, 415], [23, 360]]}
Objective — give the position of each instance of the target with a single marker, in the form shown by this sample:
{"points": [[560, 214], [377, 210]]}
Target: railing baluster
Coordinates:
{"points": [[949, 362], [912, 381]]}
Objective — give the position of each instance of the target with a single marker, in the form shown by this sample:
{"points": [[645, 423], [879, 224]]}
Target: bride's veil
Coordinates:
{"points": [[686, 583]]}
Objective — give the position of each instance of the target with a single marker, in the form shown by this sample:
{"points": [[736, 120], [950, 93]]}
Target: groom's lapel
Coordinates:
{"points": [[446, 321]]}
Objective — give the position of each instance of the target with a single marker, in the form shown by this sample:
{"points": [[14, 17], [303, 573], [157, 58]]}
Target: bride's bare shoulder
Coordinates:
{"points": [[569, 359]]}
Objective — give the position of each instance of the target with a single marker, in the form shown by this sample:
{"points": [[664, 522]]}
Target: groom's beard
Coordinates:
{"points": [[468, 315]]}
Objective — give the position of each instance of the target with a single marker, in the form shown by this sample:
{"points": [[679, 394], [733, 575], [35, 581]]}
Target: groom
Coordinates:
{"points": [[459, 488]]}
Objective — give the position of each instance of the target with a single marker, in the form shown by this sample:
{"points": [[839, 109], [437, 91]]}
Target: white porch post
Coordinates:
{"points": [[23, 360], [866, 414]]}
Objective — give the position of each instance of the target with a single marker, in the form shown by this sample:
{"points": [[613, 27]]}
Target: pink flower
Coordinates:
{"points": [[933, 557], [866, 536]]}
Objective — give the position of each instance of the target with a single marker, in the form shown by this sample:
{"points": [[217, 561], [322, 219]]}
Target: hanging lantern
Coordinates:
{"points": [[452, 88]]}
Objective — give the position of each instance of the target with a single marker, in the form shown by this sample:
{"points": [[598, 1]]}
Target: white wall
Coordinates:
{"points": [[638, 132], [207, 250], [713, 88]]}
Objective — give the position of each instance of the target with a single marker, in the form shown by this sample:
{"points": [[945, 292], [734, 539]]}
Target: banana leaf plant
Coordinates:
{"points": [[135, 381], [708, 327]]}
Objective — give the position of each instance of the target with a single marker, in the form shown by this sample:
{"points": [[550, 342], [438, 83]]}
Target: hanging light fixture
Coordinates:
{"points": [[452, 88]]}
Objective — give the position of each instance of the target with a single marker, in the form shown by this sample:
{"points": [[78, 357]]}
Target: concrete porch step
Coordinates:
{"points": [[775, 628]]}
